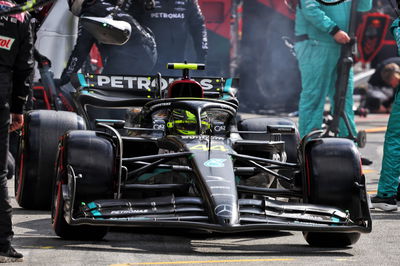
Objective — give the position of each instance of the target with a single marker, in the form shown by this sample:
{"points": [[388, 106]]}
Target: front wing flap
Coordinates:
{"points": [[191, 213]]}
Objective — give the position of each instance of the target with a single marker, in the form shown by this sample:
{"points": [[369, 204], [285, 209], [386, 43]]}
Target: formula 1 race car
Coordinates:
{"points": [[149, 152]]}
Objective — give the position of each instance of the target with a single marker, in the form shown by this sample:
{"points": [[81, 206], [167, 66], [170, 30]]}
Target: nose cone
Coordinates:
{"points": [[227, 214]]}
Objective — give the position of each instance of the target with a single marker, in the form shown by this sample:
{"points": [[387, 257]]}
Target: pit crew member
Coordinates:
{"points": [[16, 64], [135, 57], [172, 23], [320, 30]]}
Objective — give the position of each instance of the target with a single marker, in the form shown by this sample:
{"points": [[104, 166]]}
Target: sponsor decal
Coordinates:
{"points": [[142, 83], [130, 218], [158, 126], [129, 211], [168, 15], [335, 220], [203, 137], [6, 42], [219, 128], [124, 82], [159, 105], [215, 163], [224, 210]]}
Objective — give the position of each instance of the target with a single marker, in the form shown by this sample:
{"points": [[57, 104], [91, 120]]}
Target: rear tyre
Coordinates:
{"points": [[92, 158], [333, 169], [37, 155]]}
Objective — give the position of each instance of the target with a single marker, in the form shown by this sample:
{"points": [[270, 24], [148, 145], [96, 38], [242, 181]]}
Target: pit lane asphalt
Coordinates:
{"points": [[35, 239]]}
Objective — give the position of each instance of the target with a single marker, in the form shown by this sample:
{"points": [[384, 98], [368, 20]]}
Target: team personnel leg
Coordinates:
{"points": [[5, 207], [389, 179], [318, 67], [7, 252], [317, 77]]}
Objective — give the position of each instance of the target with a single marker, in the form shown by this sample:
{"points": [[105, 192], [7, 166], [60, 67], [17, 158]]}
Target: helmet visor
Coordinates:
{"points": [[189, 127]]}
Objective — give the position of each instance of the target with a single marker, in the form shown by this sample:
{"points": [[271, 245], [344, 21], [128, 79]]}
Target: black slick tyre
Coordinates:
{"points": [[331, 240], [333, 168], [37, 155], [92, 157], [69, 232]]}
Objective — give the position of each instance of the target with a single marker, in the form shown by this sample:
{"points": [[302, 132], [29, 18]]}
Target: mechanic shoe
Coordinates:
{"points": [[385, 204], [365, 161], [398, 193], [9, 254]]}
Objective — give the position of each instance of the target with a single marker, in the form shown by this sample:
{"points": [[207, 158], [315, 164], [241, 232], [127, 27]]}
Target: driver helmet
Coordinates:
{"points": [[183, 122]]}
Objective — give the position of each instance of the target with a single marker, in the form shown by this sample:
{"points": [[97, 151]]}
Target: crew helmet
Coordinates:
{"points": [[76, 6]]}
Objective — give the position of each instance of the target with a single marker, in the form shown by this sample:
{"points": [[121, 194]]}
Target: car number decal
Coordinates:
{"points": [[204, 147]]}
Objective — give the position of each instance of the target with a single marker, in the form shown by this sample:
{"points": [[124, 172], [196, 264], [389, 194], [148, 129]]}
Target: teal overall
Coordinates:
{"points": [[318, 55], [390, 172]]}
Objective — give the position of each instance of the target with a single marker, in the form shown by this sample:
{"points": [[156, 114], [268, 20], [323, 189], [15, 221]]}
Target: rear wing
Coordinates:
{"points": [[148, 86]]}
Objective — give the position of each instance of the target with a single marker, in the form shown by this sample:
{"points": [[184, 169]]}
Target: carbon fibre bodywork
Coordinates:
{"points": [[206, 181]]}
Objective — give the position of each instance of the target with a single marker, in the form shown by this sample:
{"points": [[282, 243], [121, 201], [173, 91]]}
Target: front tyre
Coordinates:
{"points": [[66, 231], [332, 240], [333, 177], [91, 157]]}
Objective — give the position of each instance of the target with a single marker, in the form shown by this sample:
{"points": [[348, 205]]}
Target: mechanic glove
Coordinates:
{"points": [[41, 59], [64, 79]]}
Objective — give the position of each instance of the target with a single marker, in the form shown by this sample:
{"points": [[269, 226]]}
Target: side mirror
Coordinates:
{"points": [[107, 30]]}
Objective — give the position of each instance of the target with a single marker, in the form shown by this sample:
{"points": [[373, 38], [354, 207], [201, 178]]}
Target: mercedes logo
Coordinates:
{"points": [[224, 210]]}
